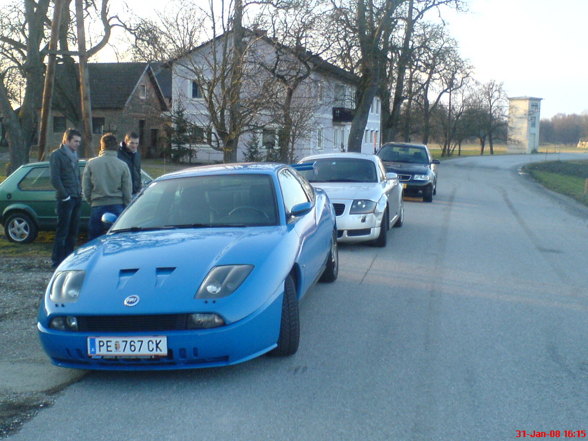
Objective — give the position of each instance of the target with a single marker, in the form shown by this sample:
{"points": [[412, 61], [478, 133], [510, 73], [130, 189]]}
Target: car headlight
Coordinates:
{"points": [[421, 177], [362, 206], [222, 281], [66, 286], [69, 323]]}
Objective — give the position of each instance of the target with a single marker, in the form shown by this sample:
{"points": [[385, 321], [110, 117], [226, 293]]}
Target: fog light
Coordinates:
{"points": [[204, 321], [69, 323]]}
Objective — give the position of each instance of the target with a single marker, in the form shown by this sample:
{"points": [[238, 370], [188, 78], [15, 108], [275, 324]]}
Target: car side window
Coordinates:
{"points": [[306, 185], [37, 179], [292, 190]]}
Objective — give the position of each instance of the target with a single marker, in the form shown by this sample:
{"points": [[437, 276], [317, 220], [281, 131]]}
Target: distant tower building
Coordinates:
{"points": [[524, 116]]}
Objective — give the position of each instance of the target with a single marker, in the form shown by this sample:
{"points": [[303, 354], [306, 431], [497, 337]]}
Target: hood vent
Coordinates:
{"points": [[161, 275], [124, 275]]}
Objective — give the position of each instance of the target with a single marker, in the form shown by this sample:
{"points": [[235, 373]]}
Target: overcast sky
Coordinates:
{"points": [[536, 48]]}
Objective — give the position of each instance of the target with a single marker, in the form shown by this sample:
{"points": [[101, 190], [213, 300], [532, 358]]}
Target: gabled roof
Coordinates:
{"points": [[112, 84], [320, 65]]}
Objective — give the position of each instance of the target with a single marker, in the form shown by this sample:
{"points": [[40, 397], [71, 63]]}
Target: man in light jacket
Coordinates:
{"points": [[106, 184]]}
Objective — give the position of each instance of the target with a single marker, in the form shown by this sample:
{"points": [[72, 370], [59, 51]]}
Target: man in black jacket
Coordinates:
{"points": [[129, 153], [65, 178]]}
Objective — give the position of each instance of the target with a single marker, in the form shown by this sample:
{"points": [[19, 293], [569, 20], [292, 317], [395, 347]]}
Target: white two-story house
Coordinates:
{"points": [[285, 94]]}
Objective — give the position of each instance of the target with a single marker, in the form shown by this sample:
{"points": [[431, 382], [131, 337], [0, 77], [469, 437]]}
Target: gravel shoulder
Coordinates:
{"points": [[28, 380]]}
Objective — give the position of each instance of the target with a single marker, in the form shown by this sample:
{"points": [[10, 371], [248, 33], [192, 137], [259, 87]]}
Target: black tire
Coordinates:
{"points": [[289, 338], [400, 221], [383, 237], [428, 194], [20, 228], [332, 269]]}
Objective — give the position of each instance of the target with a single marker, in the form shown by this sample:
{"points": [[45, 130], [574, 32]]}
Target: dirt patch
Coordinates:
{"points": [[22, 286]]}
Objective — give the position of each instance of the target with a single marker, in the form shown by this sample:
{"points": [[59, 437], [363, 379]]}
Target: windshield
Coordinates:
{"points": [[400, 153], [340, 170], [203, 201]]}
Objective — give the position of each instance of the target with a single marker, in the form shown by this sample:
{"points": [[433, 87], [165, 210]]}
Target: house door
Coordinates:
{"points": [[153, 150]]}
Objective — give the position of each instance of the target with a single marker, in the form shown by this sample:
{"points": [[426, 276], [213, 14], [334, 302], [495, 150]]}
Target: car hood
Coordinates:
{"points": [[166, 268], [351, 190], [405, 167]]}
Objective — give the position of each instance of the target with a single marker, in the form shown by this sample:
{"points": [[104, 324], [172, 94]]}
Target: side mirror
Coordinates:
{"points": [[301, 209], [391, 176], [435, 161], [108, 219]]}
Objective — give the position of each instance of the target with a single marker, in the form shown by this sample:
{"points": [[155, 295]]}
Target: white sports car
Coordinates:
{"points": [[367, 200]]}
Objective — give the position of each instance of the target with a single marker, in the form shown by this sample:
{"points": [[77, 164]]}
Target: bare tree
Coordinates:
{"points": [[368, 25], [441, 72], [292, 28], [23, 49], [215, 66]]}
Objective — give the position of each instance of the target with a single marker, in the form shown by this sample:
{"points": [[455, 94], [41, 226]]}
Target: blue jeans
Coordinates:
{"points": [[95, 226], [66, 233]]}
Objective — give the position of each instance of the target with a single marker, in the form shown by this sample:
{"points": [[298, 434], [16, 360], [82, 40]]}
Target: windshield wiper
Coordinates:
{"points": [[189, 226], [136, 229]]}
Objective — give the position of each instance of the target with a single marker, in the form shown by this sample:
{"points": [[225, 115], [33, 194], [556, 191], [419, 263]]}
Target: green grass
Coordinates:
{"points": [[158, 167], [565, 177], [41, 247], [501, 149]]}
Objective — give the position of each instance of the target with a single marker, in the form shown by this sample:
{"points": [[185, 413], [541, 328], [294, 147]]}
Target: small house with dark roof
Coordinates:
{"points": [[124, 97]]}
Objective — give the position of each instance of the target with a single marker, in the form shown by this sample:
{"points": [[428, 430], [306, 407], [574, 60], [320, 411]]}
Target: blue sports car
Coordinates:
{"points": [[205, 268]]}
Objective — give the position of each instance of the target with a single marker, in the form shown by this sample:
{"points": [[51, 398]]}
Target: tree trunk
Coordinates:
{"points": [[403, 62], [360, 118], [235, 117], [49, 79], [86, 149]]}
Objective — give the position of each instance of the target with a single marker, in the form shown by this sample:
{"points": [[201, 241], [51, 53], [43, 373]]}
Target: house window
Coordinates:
{"points": [[366, 136], [142, 91], [59, 124], [268, 138], [196, 91], [339, 95], [319, 139], [197, 135], [98, 125], [320, 91]]}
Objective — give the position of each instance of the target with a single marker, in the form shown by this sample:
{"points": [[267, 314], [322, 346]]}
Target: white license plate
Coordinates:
{"points": [[152, 346]]}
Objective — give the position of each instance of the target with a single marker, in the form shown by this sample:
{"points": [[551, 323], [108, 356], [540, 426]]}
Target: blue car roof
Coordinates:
{"points": [[237, 168]]}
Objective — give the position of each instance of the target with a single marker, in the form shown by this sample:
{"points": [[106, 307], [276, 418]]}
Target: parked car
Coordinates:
{"points": [[367, 200], [27, 202], [415, 167], [205, 268]]}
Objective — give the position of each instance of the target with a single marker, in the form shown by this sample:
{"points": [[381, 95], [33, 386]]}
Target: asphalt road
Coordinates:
{"points": [[471, 325]]}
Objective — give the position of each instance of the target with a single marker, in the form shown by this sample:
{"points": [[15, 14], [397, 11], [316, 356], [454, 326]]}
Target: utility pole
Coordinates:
{"points": [[49, 79], [86, 147]]}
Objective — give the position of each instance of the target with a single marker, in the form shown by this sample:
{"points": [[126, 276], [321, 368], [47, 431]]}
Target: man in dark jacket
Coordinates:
{"points": [[65, 178], [129, 153]]}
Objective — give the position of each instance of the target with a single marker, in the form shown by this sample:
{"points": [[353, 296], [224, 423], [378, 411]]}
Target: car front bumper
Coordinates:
{"points": [[358, 227], [412, 188], [222, 346]]}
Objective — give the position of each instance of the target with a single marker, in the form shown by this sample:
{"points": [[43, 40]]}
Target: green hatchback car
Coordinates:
{"points": [[27, 202]]}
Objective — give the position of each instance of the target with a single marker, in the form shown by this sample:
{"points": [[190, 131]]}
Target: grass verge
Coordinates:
{"points": [[565, 177]]}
